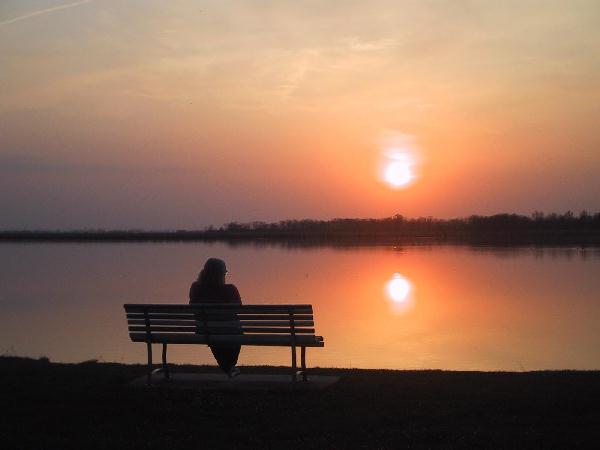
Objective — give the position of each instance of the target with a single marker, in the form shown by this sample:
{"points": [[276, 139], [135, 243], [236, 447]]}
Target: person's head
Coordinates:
{"points": [[213, 273]]}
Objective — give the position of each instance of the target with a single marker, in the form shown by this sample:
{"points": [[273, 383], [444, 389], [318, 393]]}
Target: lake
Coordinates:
{"points": [[414, 307]]}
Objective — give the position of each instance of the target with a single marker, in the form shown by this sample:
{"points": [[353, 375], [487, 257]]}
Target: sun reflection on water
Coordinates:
{"points": [[398, 290]]}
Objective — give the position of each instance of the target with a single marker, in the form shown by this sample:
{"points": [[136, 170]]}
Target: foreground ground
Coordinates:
{"points": [[92, 405]]}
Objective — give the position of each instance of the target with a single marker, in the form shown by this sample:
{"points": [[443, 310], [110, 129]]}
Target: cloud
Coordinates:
{"points": [[14, 164], [44, 11], [359, 45]]}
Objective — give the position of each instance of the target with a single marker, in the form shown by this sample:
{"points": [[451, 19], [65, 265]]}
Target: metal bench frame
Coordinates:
{"points": [[263, 325]]}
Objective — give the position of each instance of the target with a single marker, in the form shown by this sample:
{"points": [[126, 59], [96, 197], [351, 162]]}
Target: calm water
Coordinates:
{"points": [[378, 307]]}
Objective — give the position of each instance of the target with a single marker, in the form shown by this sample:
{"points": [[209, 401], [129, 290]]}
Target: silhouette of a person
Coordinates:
{"points": [[210, 287]]}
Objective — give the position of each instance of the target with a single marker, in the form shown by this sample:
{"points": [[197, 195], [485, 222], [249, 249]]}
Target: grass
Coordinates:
{"points": [[91, 405]]}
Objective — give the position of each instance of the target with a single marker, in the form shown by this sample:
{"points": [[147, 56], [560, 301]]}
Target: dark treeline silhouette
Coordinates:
{"points": [[423, 226], [539, 228]]}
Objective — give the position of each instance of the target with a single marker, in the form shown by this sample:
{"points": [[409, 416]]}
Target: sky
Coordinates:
{"points": [[180, 114]]}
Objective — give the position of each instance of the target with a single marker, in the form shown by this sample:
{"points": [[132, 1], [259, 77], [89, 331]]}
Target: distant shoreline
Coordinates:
{"points": [[499, 229], [542, 238]]}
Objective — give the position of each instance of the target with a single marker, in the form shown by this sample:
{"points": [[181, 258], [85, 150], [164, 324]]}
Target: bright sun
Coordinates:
{"points": [[398, 174]]}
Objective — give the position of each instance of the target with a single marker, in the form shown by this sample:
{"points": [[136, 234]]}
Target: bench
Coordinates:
{"points": [[212, 323]]}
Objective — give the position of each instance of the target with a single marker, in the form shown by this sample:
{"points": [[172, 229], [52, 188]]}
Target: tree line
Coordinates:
{"points": [[537, 228], [426, 226]]}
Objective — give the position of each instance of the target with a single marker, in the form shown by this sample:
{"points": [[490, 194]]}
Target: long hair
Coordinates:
{"points": [[212, 274]]}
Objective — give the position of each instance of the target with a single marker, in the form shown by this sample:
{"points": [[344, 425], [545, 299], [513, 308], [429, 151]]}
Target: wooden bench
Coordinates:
{"points": [[211, 323]]}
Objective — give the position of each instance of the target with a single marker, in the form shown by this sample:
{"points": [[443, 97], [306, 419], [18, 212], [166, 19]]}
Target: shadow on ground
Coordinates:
{"points": [[243, 382]]}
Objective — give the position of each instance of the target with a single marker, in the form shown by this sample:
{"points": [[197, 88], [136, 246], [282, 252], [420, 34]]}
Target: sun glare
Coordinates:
{"points": [[398, 174], [399, 160], [398, 288]]}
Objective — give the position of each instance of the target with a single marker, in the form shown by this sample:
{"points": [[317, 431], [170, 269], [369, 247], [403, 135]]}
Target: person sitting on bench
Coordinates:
{"points": [[210, 287]]}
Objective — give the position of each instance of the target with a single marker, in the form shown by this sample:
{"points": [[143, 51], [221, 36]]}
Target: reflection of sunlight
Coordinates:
{"points": [[398, 288]]}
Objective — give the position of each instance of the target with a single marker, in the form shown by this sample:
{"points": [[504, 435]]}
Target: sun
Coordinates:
{"points": [[398, 174], [399, 162]]}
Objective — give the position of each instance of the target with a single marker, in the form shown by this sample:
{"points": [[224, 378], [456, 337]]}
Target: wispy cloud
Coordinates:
{"points": [[43, 11], [15, 164]]}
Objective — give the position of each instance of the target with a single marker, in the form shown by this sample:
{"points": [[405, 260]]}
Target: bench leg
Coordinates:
{"points": [[303, 362], [294, 366], [164, 361], [149, 375]]}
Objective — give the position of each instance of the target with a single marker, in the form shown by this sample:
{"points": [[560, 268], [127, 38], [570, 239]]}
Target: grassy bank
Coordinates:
{"points": [[91, 405]]}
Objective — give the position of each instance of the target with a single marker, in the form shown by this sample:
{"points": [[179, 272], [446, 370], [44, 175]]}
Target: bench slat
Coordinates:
{"points": [[191, 322], [217, 330], [243, 311], [216, 304], [136, 328], [192, 316], [216, 324], [275, 340], [277, 330], [244, 316], [218, 308], [189, 316], [269, 323], [221, 330], [225, 323]]}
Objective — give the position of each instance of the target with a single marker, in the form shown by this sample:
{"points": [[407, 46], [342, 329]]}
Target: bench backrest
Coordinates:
{"points": [[212, 319]]}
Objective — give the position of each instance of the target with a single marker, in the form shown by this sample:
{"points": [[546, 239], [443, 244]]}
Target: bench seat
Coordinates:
{"points": [[268, 340]]}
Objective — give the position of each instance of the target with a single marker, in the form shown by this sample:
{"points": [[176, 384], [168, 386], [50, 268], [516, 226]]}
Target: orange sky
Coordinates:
{"points": [[181, 114]]}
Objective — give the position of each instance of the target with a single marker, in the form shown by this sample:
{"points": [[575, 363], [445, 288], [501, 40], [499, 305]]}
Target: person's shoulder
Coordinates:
{"points": [[194, 292], [232, 290], [231, 287]]}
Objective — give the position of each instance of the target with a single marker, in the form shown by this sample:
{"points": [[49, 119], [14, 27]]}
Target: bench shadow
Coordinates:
{"points": [[243, 382]]}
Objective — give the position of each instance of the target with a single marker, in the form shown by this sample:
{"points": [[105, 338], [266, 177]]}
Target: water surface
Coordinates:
{"points": [[446, 307]]}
